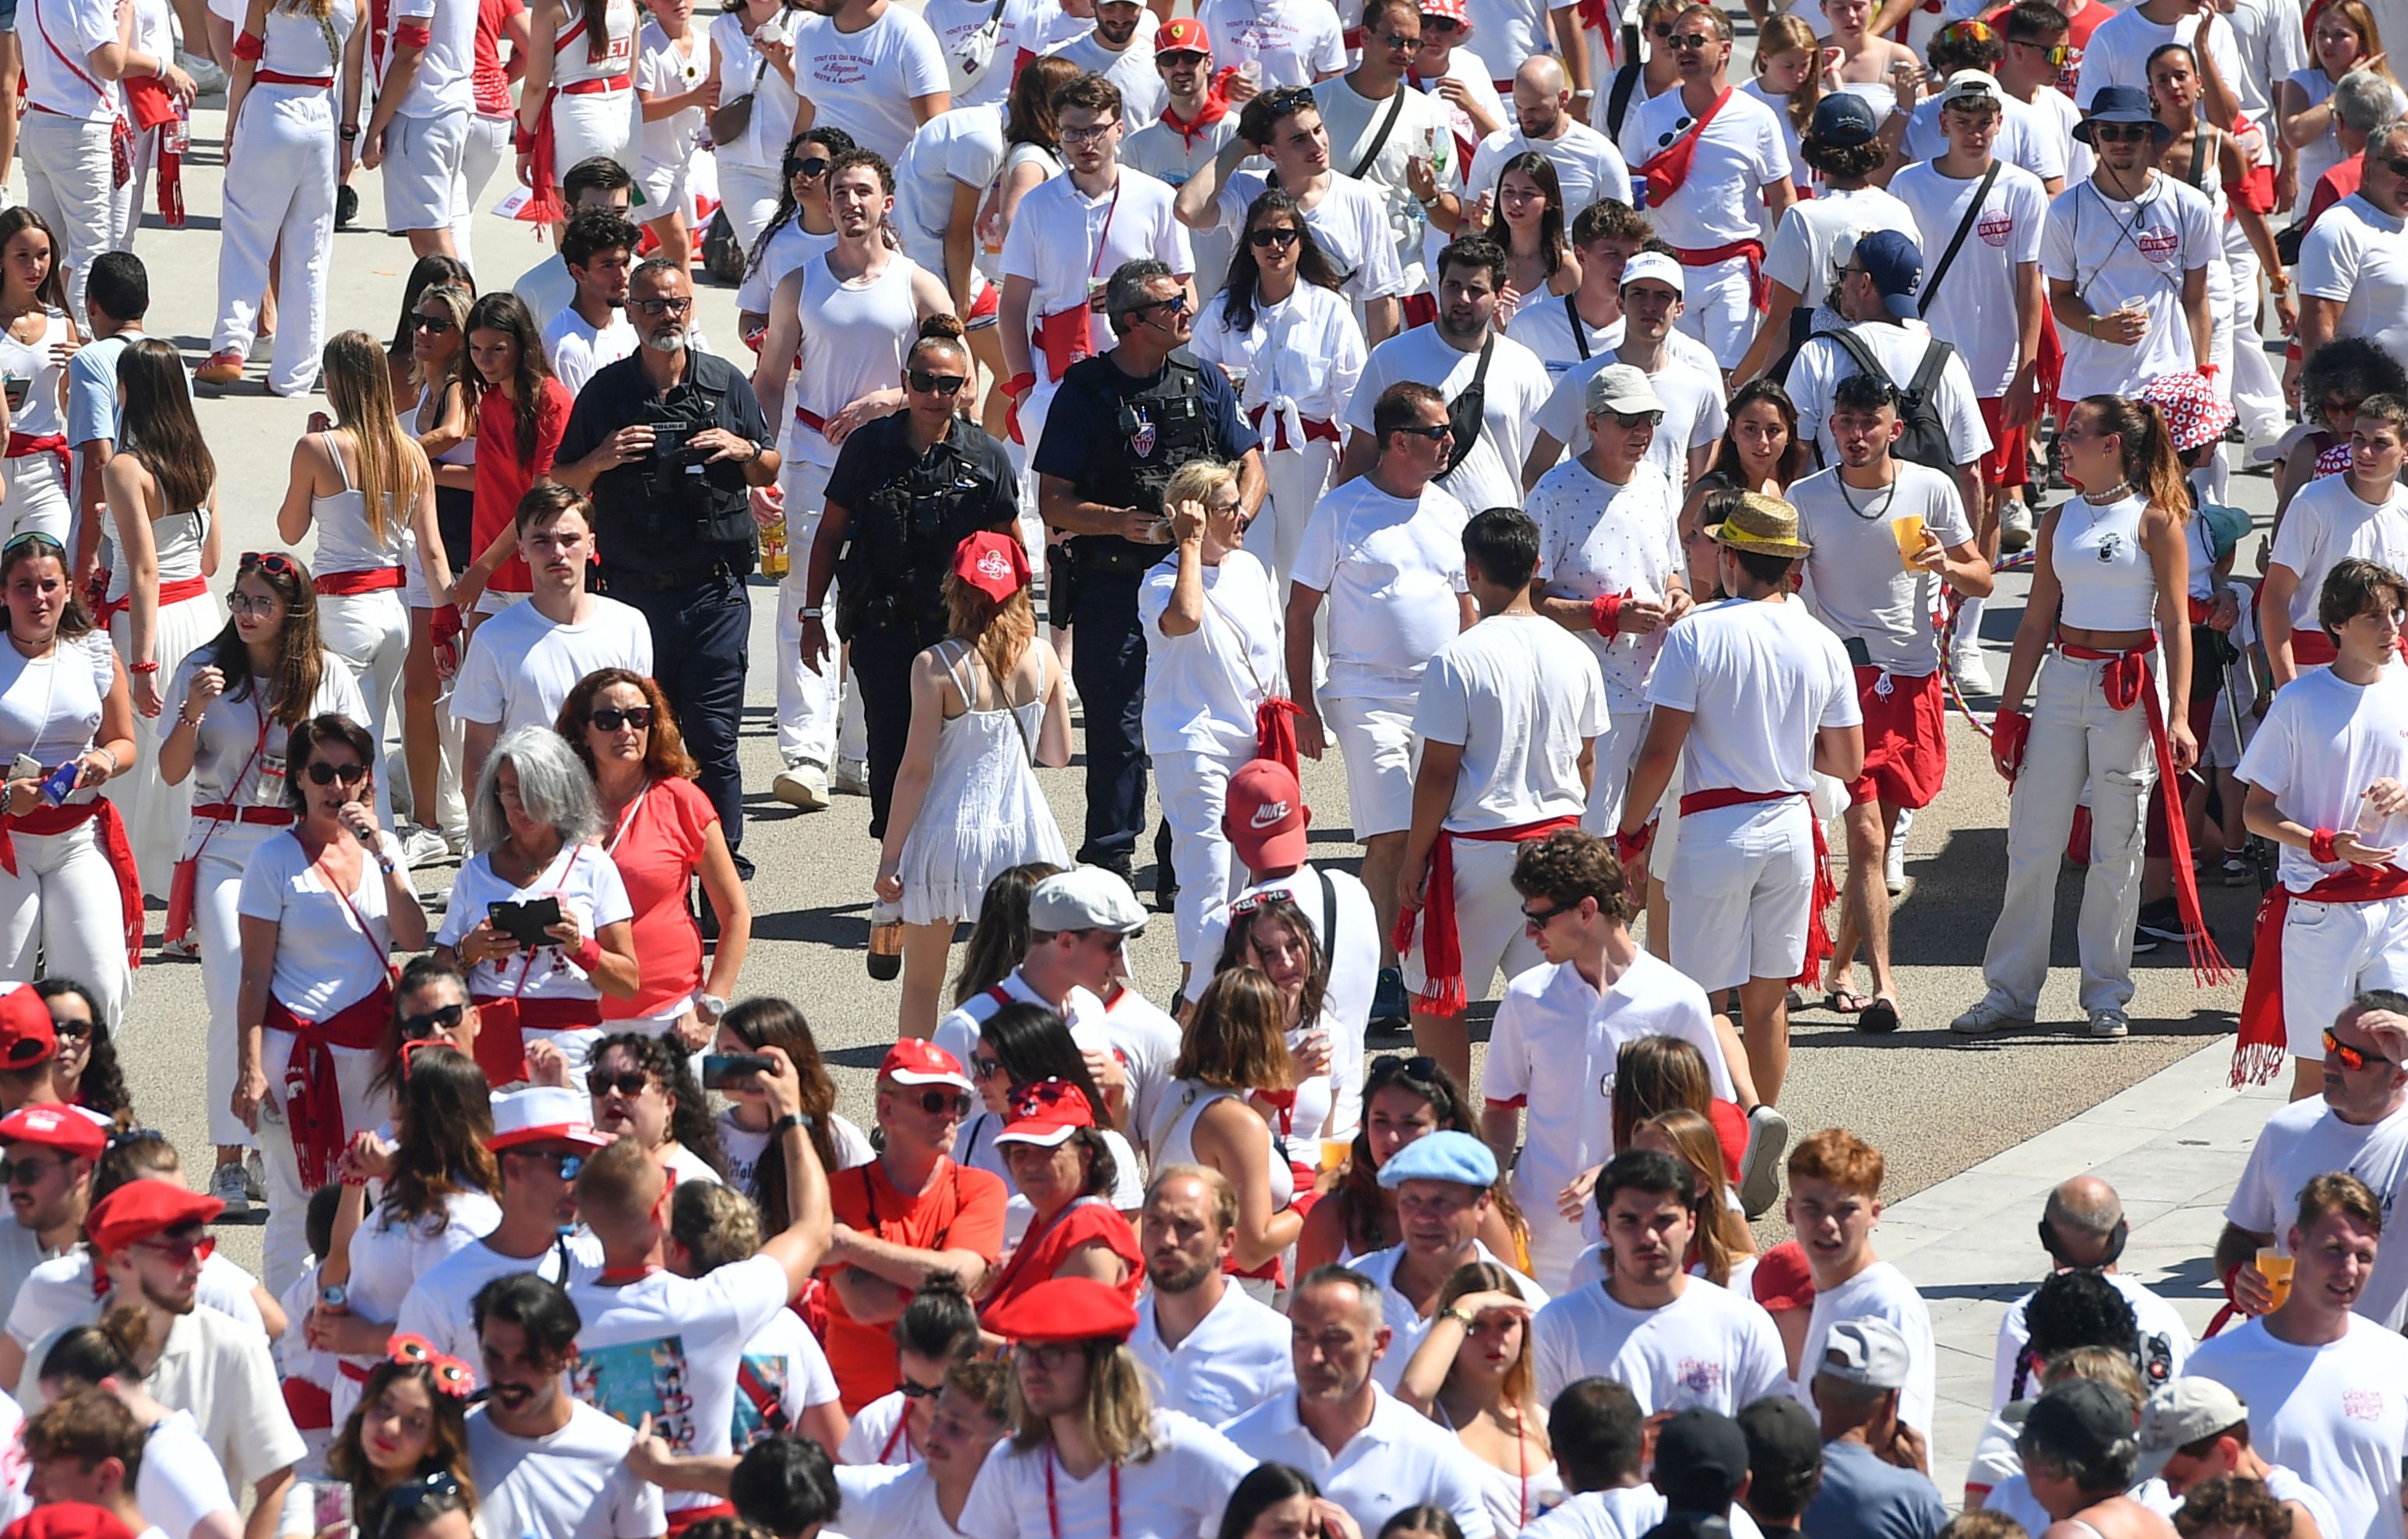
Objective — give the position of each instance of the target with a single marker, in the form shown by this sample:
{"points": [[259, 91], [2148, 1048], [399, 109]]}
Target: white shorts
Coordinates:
{"points": [[1617, 746], [1719, 310], [666, 190], [1488, 924], [1376, 736], [2332, 951], [1739, 892], [421, 169]]}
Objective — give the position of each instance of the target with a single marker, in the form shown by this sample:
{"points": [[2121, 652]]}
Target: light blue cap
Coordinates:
{"points": [[1445, 1156]]}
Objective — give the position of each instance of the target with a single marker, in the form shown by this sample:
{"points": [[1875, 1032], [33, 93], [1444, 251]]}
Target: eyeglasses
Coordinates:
{"points": [[658, 307], [984, 1069], [181, 1244], [912, 1390], [927, 384], [71, 1031], [612, 718], [933, 1101], [1689, 41], [2337, 406], [1434, 431], [1286, 235], [1088, 136], [2352, 1058], [2120, 132], [325, 774], [1545, 916], [25, 1172], [809, 170], [252, 603], [439, 324], [630, 1083]]}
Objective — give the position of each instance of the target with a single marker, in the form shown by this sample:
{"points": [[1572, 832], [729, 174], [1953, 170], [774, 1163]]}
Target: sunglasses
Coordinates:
{"points": [[1534, 922], [35, 538], [1286, 235], [1662, 29], [816, 166], [658, 307], [2055, 54], [1627, 420], [181, 1245], [984, 1069], [1418, 1067], [2396, 165], [325, 774], [936, 384], [630, 1083], [2352, 1058], [1442, 24], [25, 1172], [417, 1031], [934, 1101], [612, 718], [911, 1391], [1694, 41], [1176, 304], [1434, 431], [71, 1031], [563, 1165], [439, 324], [1177, 59], [1402, 39], [2120, 132], [412, 1046]]}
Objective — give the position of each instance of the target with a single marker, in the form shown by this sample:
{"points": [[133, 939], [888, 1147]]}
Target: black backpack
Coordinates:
{"points": [[1924, 439]]}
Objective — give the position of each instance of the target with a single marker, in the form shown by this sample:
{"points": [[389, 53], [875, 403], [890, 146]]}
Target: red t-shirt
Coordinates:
{"points": [[1041, 1254], [489, 81], [2343, 180], [502, 479], [962, 1209], [657, 848]]}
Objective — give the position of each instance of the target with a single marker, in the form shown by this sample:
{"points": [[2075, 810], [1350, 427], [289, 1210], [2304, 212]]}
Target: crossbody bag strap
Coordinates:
{"points": [[1466, 443], [326, 874], [1956, 241], [1579, 331], [1387, 126]]}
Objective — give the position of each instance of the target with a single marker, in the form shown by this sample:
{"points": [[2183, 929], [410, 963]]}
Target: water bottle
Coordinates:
{"points": [[773, 547], [885, 942], [178, 140]]}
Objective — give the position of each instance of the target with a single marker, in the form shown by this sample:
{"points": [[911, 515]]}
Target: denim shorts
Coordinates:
{"points": [[7, 15]]}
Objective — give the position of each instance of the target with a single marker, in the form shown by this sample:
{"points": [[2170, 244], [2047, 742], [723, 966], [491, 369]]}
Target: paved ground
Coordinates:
{"points": [[1936, 1105]]}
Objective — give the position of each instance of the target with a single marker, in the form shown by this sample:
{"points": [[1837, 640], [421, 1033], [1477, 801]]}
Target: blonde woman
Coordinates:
{"points": [[1235, 1045], [988, 705], [1472, 1375], [2343, 38], [366, 487], [442, 418]]}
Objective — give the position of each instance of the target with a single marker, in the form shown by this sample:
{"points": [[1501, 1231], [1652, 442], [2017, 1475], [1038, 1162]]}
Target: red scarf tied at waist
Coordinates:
{"points": [[2258, 1056], [313, 1099], [2123, 679], [1819, 946], [1668, 168], [1442, 988], [543, 204], [504, 1021], [1275, 730], [174, 591], [48, 820], [23, 444], [367, 580]]}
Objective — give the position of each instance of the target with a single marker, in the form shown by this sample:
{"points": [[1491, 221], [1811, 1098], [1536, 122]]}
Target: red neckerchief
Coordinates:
{"points": [[1215, 107]]}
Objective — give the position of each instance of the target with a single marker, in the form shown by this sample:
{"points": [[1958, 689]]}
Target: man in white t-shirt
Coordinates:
{"points": [[1888, 536], [1214, 1350], [1368, 1451], [52, 1150], [595, 182], [1380, 124], [1287, 42], [1386, 548], [523, 662], [2126, 252], [1508, 718], [2323, 1381], [1834, 1203], [1751, 697], [548, 1466], [1717, 174], [1678, 1341], [1588, 164], [2325, 775], [1688, 399], [2117, 53], [1560, 1027], [2361, 512], [2082, 1228], [2359, 1125], [86, 1448], [2194, 1431], [418, 133], [1571, 330], [1194, 123], [1113, 49], [872, 68], [593, 329], [2354, 261]]}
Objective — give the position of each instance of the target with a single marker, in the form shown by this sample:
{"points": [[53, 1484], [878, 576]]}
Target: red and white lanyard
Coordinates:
{"points": [[1054, 1513]]}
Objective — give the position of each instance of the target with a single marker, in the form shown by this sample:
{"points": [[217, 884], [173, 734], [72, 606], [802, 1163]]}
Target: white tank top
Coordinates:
{"points": [[50, 706], [855, 336], [297, 43], [177, 538], [38, 417], [570, 63], [1174, 1145], [344, 541], [462, 453], [2105, 575]]}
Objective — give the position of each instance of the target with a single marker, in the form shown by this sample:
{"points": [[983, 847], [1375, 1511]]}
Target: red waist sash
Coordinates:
{"points": [[2258, 1055], [1819, 944], [372, 579], [313, 1099], [1442, 988], [47, 820], [1760, 292], [544, 206], [174, 591]]}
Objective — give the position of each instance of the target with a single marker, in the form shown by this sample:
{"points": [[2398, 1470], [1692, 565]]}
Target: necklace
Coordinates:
{"points": [[2116, 493], [1889, 497]]}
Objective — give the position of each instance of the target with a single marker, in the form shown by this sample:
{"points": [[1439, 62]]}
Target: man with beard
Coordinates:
{"points": [[1113, 49], [1214, 1349], [548, 1466], [50, 1152], [593, 329], [1195, 123]]}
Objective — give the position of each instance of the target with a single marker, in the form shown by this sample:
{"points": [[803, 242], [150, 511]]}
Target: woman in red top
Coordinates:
{"points": [[663, 833], [1060, 1162], [519, 417]]}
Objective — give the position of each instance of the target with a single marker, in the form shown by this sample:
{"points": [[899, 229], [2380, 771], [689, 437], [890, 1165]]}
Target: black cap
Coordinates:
{"points": [[1690, 1525], [1700, 1460], [1784, 1446], [2080, 1418]]}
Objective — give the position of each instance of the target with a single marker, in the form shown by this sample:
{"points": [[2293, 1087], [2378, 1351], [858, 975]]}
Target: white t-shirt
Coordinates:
{"points": [[1422, 131], [1695, 413], [1393, 571], [2302, 1141], [1145, 1039], [668, 143], [1880, 1291], [1761, 678], [521, 666], [2118, 50], [953, 151], [2271, 42], [1408, 1325], [1974, 306], [1330, 899], [1740, 154], [2329, 522], [1522, 698], [75, 28], [441, 1304], [389, 1253], [1587, 165], [578, 347], [2358, 255], [1708, 1347], [1178, 1493], [2336, 1415], [1899, 349], [1855, 581], [1626, 1512], [1400, 1459], [241, 738], [786, 1362], [1164, 152], [1810, 230], [58, 1293], [1595, 538], [741, 1148], [1236, 1358], [1062, 241], [2112, 252], [1131, 69], [1349, 224], [865, 82], [1507, 31], [1201, 689], [1490, 474], [1295, 42], [573, 1483], [876, 1437], [587, 884], [445, 80], [325, 961], [21, 1251], [2322, 743], [890, 1502], [180, 1483], [2161, 1327], [1305, 352], [2029, 139]]}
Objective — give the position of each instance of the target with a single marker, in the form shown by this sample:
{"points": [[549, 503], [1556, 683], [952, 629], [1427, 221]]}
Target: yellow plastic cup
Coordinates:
{"points": [[1334, 1152], [2275, 1268], [1911, 536]]}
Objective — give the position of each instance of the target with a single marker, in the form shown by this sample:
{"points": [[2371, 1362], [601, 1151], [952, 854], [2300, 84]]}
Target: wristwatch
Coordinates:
{"points": [[1461, 1317], [710, 1007]]}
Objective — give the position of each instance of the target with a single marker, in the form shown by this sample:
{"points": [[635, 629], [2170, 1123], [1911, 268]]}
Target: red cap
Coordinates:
{"points": [[68, 1520], [1186, 34], [1452, 9], [1046, 1114], [26, 1037], [61, 1128], [1064, 1309], [994, 564], [1264, 817], [1782, 1280], [917, 1061], [140, 1209]]}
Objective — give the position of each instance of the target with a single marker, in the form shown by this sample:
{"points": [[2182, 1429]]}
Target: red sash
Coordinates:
{"points": [[1665, 170], [311, 1406], [313, 1101], [543, 204], [277, 76], [175, 591], [1759, 289], [2312, 649], [1275, 730], [2258, 1056], [47, 820], [1442, 987], [2123, 679], [23, 444], [1819, 946], [373, 579], [506, 1018], [1316, 429]]}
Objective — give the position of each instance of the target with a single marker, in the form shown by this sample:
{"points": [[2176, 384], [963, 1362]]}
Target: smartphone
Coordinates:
{"points": [[16, 387], [62, 783], [27, 767], [719, 1068]]}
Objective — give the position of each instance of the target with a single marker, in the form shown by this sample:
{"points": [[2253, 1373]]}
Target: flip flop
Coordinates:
{"points": [[1847, 1001], [1879, 1016]]}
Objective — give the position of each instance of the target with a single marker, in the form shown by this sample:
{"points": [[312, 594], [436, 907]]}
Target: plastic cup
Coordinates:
{"points": [[1334, 1152], [2275, 1268], [1911, 536]]}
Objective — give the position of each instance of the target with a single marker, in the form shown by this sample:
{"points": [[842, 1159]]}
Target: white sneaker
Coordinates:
{"points": [[2014, 525], [800, 785], [424, 846], [208, 78], [1973, 673], [1896, 870], [851, 779], [1759, 1178], [1991, 1014], [2109, 1024], [227, 1186]]}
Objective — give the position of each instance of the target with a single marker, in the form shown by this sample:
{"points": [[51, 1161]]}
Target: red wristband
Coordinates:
{"points": [[1605, 613], [251, 46], [587, 956], [142, 667], [1626, 847], [2320, 847]]}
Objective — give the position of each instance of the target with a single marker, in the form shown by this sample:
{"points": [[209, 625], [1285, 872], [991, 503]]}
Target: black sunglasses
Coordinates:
{"points": [[2120, 132], [1286, 235], [1434, 431], [2394, 164], [612, 718], [325, 774], [628, 1083], [25, 1172], [435, 323], [1700, 40], [432, 1022], [918, 1391], [927, 384], [1418, 1067], [816, 166], [933, 1101], [35, 538], [1534, 922], [985, 1068], [71, 1031]]}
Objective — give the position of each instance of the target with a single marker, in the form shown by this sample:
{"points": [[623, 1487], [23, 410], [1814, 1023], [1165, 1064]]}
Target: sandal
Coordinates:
{"points": [[1847, 1001], [1881, 1015]]}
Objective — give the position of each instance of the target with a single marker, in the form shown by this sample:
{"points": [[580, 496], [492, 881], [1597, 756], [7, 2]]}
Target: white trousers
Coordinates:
{"points": [[1617, 746], [601, 123], [750, 195], [282, 187], [1740, 889], [1194, 788], [157, 814], [370, 632], [1294, 479], [2077, 737], [1719, 310], [285, 1244], [61, 917], [218, 926], [489, 149], [2331, 951], [37, 496], [68, 182], [819, 720], [1488, 924]]}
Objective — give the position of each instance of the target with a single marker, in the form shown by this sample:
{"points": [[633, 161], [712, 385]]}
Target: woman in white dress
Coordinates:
{"points": [[1233, 1051], [37, 338], [988, 706], [1472, 1375], [160, 487]]}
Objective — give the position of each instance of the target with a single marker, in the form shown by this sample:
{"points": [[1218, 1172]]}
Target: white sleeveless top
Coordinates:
{"points": [[462, 453], [39, 417], [50, 706], [344, 541], [177, 536], [1174, 1145], [855, 336], [2105, 574], [570, 63], [296, 43]]}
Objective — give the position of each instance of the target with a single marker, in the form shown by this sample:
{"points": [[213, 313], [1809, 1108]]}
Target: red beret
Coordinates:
{"points": [[68, 1520], [1064, 1309], [61, 1128], [140, 1209], [26, 1037]]}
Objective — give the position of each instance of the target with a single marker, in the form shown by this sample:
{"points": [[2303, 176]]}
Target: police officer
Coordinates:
{"points": [[669, 443], [1118, 427], [906, 491]]}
